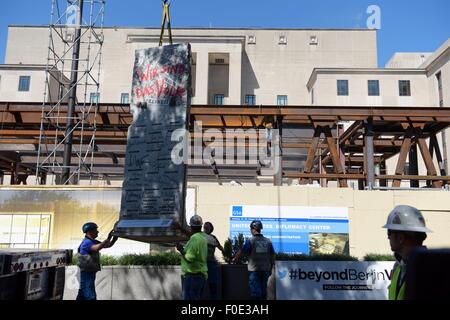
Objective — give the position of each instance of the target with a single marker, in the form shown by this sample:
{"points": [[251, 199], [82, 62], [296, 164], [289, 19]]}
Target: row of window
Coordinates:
{"points": [[24, 86], [95, 98], [250, 100], [373, 88]]}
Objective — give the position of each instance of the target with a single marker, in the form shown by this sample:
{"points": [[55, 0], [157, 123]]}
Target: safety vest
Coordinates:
{"points": [[396, 293], [259, 258], [89, 262]]}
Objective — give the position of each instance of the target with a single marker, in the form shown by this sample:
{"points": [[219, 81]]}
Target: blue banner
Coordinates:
{"points": [[302, 233]]}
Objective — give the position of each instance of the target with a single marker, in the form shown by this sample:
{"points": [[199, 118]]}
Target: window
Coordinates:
{"points": [[251, 40], [404, 88], [342, 87], [250, 99], [24, 83], [282, 101], [125, 98], [95, 97], [218, 99], [373, 87], [24, 230]]}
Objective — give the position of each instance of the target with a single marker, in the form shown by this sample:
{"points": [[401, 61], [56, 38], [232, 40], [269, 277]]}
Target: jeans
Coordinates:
{"points": [[257, 281], [87, 286], [193, 286], [212, 279]]}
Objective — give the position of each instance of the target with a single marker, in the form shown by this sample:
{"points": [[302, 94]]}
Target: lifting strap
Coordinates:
{"points": [[166, 16]]}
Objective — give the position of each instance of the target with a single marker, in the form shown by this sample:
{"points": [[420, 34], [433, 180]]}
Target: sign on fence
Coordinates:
{"points": [[332, 280]]}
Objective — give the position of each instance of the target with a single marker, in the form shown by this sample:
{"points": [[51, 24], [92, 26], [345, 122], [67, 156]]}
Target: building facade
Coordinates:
{"points": [[292, 67]]}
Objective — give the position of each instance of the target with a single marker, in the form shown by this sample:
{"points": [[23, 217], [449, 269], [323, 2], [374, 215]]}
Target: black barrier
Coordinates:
{"points": [[428, 275]]}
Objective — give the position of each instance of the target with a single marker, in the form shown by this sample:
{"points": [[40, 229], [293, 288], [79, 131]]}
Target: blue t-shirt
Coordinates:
{"points": [[247, 248], [86, 245]]}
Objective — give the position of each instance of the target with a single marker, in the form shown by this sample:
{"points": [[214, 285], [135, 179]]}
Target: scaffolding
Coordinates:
{"points": [[70, 104]]}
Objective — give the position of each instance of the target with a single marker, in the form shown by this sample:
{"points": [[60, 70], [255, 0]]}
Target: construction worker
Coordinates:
{"points": [[261, 259], [194, 270], [89, 259], [406, 232], [212, 263]]}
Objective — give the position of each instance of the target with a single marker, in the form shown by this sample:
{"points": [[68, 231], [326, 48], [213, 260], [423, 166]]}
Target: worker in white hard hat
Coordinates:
{"points": [[194, 269], [406, 232]]}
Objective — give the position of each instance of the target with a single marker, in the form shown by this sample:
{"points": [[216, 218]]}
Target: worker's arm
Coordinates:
{"points": [[177, 225], [218, 245], [182, 251], [237, 257], [99, 246], [246, 249], [108, 243]]}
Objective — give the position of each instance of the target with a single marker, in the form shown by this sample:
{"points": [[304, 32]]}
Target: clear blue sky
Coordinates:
{"points": [[406, 25]]}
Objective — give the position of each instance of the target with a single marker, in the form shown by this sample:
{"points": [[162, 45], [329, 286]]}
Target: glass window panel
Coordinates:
{"points": [[45, 230], [374, 87], [24, 83], [405, 88], [18, 228], [5, 228], [282, 100], [94, 97], [218, 99], [342, 87], [124, 98], [33, 229], [250, 99]]}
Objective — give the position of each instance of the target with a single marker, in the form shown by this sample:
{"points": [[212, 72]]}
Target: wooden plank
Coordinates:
{"points": [[435, 145], [409, 177], [402, 157], [351, 176], [312, 150], [334, 155], [431, 170]]}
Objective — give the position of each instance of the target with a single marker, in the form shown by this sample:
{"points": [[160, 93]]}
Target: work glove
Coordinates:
{"points": [[110, 235], [179, 247]]}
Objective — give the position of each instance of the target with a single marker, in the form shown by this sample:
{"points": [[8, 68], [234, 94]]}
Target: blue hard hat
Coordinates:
{"points": [[257, 225], [89, 226]]}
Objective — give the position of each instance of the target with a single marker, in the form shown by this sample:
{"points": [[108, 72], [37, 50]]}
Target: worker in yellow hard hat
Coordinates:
{"points": [[406, 232]]}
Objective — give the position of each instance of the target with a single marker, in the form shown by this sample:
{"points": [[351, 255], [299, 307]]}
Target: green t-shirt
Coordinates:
{"points": [[196, 252]]}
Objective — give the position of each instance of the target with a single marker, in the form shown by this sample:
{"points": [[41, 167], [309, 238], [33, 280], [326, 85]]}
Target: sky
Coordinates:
{"points": [[405, 25]]}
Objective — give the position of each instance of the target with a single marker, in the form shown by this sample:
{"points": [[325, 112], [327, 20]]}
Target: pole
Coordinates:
{"points": [[72, 99], [368, 137]]}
